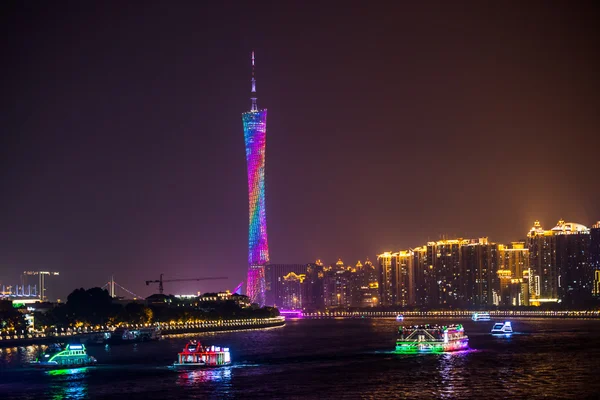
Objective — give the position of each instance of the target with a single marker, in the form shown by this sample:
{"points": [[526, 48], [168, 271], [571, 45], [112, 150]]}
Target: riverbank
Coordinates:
{"points": [[446, 314], [166, 330], [224, 326]]}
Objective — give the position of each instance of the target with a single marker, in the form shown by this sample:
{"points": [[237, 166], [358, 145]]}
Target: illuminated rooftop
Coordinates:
{"points": [[570, 227]]}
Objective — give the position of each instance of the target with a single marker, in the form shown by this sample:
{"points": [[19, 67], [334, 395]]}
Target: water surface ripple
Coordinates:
{"points": [[332, 359]]}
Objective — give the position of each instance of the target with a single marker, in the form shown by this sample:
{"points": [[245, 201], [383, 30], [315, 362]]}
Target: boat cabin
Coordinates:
{"points": [[195, 353]]}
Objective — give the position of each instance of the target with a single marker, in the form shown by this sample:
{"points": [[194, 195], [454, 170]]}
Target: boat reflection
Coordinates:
{"points": [[192, 378], [452, 368], [68, 384], [71, 373]]}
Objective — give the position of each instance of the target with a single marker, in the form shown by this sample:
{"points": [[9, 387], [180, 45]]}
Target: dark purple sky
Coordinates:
{"points": [[121, 145]]}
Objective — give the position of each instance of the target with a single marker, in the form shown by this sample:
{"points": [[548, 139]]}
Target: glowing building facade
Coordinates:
{"points": [[396, 278], [560, 264], [255, 131], [595, 257]]}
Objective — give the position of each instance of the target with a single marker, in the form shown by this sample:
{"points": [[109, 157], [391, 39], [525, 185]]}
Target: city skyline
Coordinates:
{"points": [[124, 154], [343, 262]]}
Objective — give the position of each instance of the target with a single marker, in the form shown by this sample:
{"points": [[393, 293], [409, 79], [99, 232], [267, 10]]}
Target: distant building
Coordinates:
{"points": [[337, 285], [445, 257], [275, 284], [561, 263], [424, 277], [513, 273], [38, 284], [396, 283], [293, 292], [384, 262], [208, 300], [480, 274], [365, 285], [314, 298], [576, 277], [158, 300], [595, 257], [542, 260]]}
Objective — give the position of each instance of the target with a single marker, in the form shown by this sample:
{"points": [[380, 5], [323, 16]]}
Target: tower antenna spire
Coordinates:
{"points": [[253, 98]]}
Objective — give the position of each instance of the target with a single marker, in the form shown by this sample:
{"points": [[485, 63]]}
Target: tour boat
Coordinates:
{"points": [[194, 355], [431, 339], [71, 356], [481, 316], [399, 317], [134, 335], [500, 328]]}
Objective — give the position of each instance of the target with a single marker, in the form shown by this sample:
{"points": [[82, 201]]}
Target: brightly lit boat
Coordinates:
{"points": [[431, 339], [399, 317], [500, 328], [71, 356], [481, 316], [194, 355]]}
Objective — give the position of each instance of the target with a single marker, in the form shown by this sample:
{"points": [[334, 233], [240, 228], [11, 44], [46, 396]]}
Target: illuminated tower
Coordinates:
{"points": [[255, 132]]}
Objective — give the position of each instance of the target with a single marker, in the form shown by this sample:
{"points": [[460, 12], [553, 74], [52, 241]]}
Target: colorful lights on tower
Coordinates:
{"points": [[255, 131]]}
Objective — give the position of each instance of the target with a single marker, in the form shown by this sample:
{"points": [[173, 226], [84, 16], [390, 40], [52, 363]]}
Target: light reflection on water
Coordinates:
{"points": [[318, 359], [69, 383], [192, 378], [20, 355]]}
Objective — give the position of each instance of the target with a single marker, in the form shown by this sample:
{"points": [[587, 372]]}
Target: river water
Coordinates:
{"points": [[331, 359]]}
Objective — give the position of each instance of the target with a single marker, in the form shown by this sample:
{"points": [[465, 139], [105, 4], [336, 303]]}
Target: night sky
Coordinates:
{"points": [[122, 151]]}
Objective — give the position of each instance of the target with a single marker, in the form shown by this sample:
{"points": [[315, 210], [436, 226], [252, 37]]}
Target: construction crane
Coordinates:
{"points": [[161, 280]]}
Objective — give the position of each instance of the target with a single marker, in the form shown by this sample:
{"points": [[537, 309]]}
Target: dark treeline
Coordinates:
{"points": [[10, 317], [94, 306]]}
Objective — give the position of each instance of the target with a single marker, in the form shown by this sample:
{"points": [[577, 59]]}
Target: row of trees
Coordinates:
{"points": [[10, 317], [95, 307]]}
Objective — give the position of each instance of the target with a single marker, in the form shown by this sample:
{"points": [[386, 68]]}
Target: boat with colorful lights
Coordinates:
{"points": [[399, 317], [194, 355], [70, 356], [431, 339], [481, 316], [500, 328]]}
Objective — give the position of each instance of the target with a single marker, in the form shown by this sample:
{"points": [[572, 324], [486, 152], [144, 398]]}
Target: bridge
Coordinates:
{"points": [[112, 286]]}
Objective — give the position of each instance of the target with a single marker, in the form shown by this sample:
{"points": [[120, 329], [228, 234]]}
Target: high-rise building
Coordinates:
{"points": [[560, 262], [293, 293], [384, 262], [575, 275], [396, 283], [314, 286], [365, 285], [481, 278], [595, 257], [337, 285], [255, 132], [445, 257], [542, 260], [514, 274], [39, 279], [275, 284], [424, 277]]}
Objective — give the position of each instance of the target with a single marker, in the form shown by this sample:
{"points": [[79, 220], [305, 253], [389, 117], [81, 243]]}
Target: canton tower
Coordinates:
{"points": [[255, 132]]}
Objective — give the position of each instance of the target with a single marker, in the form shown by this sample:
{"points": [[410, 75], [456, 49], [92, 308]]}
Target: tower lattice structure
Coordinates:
{"points": [[255, 131]]}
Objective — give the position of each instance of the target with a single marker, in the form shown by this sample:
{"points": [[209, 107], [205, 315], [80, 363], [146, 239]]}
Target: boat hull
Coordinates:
{"points": [[197, 365], [431, 347], [48, 366]]}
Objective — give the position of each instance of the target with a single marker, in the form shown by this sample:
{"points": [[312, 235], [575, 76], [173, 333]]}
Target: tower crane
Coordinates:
{"points": [[161, 281]]}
